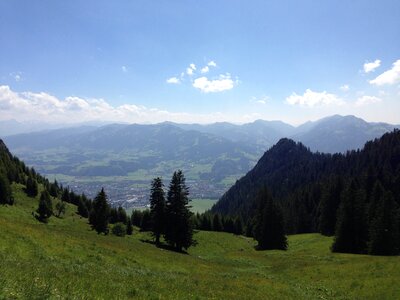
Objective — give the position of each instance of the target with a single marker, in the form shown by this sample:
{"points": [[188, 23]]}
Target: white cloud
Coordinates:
{"points": [[223, 83], [17, 77], [189, 71], [371, 66], [389, 77], [345, 87], [204, 70], [43, 107], [124, 69], [173, 80], [365, 100], [262, 100], [211, 64], [310, 98]]}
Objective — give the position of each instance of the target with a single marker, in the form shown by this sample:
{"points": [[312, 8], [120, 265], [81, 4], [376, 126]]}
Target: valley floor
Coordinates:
{"points": [[66, 259]]}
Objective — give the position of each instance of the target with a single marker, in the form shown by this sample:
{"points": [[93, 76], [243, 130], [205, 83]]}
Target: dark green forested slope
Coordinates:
{"points": [[312, 187]]}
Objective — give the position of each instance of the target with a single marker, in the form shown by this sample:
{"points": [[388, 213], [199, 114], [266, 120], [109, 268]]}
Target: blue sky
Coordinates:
{"points": [[199, 61]]}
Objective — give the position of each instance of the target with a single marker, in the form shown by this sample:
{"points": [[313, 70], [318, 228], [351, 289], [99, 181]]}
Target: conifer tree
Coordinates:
{"points": [[82, 208], [113, 215], [5, 190], [217, 224], [129, 227], [179, 230], [329, 205], [238, 226], [351, 228], [205, 222], [66, 195], [136, 218], [145, 223], [122, 217], [100, 213], [384, 228], [157, 209], [53, 189], [31, 187], [269, 228], [45, 209]]}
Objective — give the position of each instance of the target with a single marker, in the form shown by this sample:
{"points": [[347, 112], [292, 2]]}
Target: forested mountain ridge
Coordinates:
{"points": [[311, 187], [213, 156]]}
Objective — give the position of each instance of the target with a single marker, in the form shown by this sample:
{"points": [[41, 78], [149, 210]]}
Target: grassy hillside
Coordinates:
{"points": [[66, 259]]}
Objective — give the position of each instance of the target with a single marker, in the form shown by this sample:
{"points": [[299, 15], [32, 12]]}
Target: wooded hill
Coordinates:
{"points": [[321, 192]]}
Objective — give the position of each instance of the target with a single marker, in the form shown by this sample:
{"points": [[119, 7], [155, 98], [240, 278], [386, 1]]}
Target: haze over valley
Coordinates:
{"points": [[124, 158]]}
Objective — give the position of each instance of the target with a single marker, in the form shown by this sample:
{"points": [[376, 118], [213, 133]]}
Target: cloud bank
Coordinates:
{"points": [[29, 106]]}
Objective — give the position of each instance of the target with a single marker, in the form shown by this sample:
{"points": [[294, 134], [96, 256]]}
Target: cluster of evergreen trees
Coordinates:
{"points": [[209, 221], [355, 196], [171, 217], [101, 215]]}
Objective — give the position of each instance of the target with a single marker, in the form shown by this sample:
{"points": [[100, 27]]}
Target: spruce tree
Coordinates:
{"points": [[122, 217], [329, 205], [45, 209], [31, 187], [269, 227], [217, 224], [179, 230], [351, 228], [205, 222], [384, 236], [157, 209], [66, 195], [129, 227], [136, 218], [145, 223], [100, 213], [82, 208], [238, 226], [5, 190]]}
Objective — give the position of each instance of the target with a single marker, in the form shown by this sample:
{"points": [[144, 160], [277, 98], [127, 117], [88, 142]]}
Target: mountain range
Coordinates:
{"points": [[308, 186], [212, 156]]}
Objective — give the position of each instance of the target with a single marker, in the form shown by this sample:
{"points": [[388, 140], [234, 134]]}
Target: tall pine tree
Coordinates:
{"points": [[179, 230], [269, 228], [329, 205], [157, 208], [384, 227], [5, 190], [351, 227], [31, 187], [45, 209], [100, 213]]}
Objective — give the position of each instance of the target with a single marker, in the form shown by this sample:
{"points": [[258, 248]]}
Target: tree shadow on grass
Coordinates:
{"points": [[163, 246]]}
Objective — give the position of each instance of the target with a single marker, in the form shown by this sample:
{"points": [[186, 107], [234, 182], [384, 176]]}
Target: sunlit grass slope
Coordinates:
{"points": [[66, 259]]}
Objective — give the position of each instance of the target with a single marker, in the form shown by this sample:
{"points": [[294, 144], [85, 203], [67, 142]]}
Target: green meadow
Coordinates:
{"points": [[66, 259]]}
